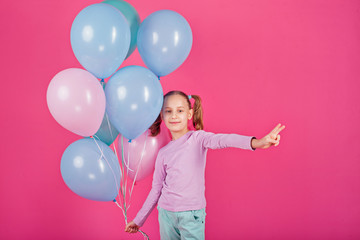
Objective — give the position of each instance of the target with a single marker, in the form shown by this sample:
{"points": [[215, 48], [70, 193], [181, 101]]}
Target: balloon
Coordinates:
{"points": [[145, 147], [132, 18], [100, 39], [107, 133], [164, 41], [91, 170], [134, 98], [77, 101]]}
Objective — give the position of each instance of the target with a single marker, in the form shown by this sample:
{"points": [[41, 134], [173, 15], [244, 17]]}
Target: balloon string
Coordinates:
{"points": [[123, 164], [122, 190], [108, 122], [124, 182], [112, 136], [127, 169], [124, 209], [123, 157], [103, 156], [141, 158], [121, 210], [123, 194], [143, 233], [117, 156]]}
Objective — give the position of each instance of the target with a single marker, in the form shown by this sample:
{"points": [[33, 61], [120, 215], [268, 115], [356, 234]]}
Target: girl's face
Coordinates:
{"points": [[176, 113]]}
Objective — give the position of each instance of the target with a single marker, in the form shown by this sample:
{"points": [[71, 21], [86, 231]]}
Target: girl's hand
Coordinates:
{"points": [[131, 227], [273, 138]]}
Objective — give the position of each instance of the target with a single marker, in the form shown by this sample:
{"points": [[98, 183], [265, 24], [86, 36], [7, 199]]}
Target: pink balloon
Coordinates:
{"points": [[136, 149], [76, 100]]}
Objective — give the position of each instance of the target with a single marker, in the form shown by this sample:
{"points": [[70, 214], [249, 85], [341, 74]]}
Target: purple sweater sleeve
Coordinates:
{"points": [[216, 141], [155, 192]]}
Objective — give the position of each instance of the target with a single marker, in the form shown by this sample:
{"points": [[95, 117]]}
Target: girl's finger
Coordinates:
{"points": [[280, 129], [276, 128]]}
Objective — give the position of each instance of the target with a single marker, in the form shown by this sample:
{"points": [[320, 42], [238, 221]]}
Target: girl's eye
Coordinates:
{"points": [[181, 110], [167, 111]]}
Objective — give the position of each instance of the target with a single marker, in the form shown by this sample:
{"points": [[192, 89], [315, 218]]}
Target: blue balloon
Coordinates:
{"points": [[134, 98], [107, 133], [91, 170], [131, 16], [164, 41], [100, 39]]}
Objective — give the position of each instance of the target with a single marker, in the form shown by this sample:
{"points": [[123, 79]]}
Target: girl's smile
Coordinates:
{"points": [[176, 114]]}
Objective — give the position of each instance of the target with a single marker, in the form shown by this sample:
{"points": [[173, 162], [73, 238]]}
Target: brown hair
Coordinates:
{"points": [[197, 117]]}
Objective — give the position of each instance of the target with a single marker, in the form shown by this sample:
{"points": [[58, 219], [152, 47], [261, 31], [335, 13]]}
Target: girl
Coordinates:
{"points": [[178, 185]]}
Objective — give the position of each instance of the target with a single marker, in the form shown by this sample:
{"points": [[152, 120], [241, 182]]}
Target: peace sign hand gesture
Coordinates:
{"points": [[273, 138]]}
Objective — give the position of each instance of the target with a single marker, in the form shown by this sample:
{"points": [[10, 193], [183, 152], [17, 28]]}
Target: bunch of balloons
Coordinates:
{"points": [[102, 36]]}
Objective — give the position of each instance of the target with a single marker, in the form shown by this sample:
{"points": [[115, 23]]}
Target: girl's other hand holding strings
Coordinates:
{"points": [[131, 227]]}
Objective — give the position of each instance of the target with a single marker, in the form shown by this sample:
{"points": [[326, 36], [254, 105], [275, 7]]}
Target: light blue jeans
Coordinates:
{"points": [[182, 225]]}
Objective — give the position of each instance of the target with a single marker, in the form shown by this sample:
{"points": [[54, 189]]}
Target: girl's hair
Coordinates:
{"points": [[198, 112]]}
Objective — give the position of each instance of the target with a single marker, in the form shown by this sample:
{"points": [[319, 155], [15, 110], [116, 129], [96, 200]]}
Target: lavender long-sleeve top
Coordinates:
{"points": [[179, 176]]}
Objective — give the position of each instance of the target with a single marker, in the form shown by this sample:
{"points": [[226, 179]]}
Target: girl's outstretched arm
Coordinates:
{"points": [[273, 138], [221, 140]]}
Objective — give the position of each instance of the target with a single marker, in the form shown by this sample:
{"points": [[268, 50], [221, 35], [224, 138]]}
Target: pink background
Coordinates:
{"points": [[255, 63]]}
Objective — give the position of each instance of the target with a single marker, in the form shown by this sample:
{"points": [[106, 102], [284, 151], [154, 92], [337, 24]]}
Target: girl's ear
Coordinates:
{"points": [[191, 113]]}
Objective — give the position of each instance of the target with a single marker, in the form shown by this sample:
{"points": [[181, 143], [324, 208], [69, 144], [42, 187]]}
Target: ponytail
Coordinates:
{"points": [[155, 127], [198, 113], [197, 118]]}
